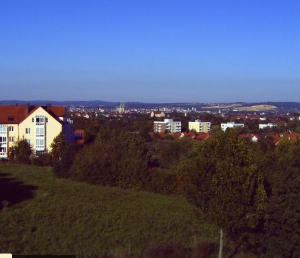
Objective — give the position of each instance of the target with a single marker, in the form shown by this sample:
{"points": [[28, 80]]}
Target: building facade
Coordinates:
{"points": [[199, 126], [167, 125], [262, 126], [157, 114], [224, 126], [39, 125]]}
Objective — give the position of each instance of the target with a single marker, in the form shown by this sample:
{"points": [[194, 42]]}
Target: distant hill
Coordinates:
{"points": [[92, 103], [281, 106], [59, 103]]}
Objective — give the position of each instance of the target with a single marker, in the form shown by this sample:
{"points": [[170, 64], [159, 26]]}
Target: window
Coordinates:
{"points": [[10, 118], [10, 128], [3, 150], [40, 132], [11, 139], [27, 130], [3, 129], [40, 120], [28, 141], [39, 144], [33, 120], [3, 140]]}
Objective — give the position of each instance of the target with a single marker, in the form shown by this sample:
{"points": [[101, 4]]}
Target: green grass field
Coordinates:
{"points": [[47, 215]]}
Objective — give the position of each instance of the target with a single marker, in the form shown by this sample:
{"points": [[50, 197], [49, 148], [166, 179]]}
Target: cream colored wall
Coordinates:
{"points": [[194, 126], [206, 127], [53, 128], [14, 134]]}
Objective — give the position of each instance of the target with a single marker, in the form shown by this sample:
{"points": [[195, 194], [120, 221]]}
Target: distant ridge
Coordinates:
{"points": [[91, 103], [59, 103], [282, 106]]}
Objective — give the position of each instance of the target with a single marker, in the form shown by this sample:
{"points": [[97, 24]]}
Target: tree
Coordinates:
{"points": [[22, 152], [58, 146], [226, 185], [282, 227]]}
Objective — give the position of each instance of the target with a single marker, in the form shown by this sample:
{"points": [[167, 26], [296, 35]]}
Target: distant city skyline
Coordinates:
{"points": [[150, 51]]}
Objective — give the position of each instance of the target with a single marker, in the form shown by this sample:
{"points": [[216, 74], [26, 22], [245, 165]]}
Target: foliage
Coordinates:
{"points": [[61, 167], [58, 146], [120, 160], [282, 228], [161, 182], [42, 160], [21, 152], [226, 185]]}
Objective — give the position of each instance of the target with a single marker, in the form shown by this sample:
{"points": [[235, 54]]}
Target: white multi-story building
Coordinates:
{"points": [[199, 126], [262, 126], [167, 124], [224, 126]]}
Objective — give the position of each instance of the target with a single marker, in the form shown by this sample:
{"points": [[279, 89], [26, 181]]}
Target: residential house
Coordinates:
{"points": [[39, 125]]}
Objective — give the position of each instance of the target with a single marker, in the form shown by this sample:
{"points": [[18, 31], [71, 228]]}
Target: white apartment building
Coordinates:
{"points": [[262, 126], [167, 124], [224, 126], [199, 126]]}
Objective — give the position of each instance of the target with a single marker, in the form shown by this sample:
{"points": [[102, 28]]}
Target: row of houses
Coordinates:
{"points": [[197, 126], [39, 125], [224, 126], [274, 138]]}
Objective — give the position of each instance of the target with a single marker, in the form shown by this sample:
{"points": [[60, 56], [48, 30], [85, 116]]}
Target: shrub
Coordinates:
{"points": [[42, 160]]}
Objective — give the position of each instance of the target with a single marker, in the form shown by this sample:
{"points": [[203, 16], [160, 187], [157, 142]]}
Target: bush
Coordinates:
{"points": [[62, 166], [22, 152], [42, 160], [161, 182], [3, 160]]}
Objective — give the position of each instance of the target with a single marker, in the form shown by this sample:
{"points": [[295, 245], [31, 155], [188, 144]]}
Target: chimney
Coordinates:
{"points": [[48, 107], [27, 108]]}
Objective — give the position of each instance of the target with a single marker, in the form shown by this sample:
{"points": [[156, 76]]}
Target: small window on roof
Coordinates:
{"points": [[10, 118]]}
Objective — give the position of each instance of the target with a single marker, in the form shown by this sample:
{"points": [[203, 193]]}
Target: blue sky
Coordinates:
{"points": [[150, 51]]}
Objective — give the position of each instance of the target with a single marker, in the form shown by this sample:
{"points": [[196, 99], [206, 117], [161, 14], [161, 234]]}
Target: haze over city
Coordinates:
{"points": [[150, 51]]}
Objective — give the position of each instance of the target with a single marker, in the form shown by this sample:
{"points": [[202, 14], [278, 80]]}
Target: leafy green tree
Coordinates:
{"points": [[21, 152], [58, 146], [282, 227], [119, 159], [227, 186]]}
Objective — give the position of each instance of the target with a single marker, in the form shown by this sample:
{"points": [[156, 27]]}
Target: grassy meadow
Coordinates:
{"points": [[41, 214]]}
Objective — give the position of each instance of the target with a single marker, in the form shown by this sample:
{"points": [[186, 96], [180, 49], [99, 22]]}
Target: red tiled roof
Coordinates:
{"points": [[16, 114], [276, 138], [202, 136], [58, 111]]}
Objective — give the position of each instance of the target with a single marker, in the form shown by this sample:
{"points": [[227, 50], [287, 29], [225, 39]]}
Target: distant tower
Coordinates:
{"points": [[122, 107]]}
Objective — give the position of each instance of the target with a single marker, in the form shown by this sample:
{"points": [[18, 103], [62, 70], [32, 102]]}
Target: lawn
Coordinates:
{"points": [[41, 214]]}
